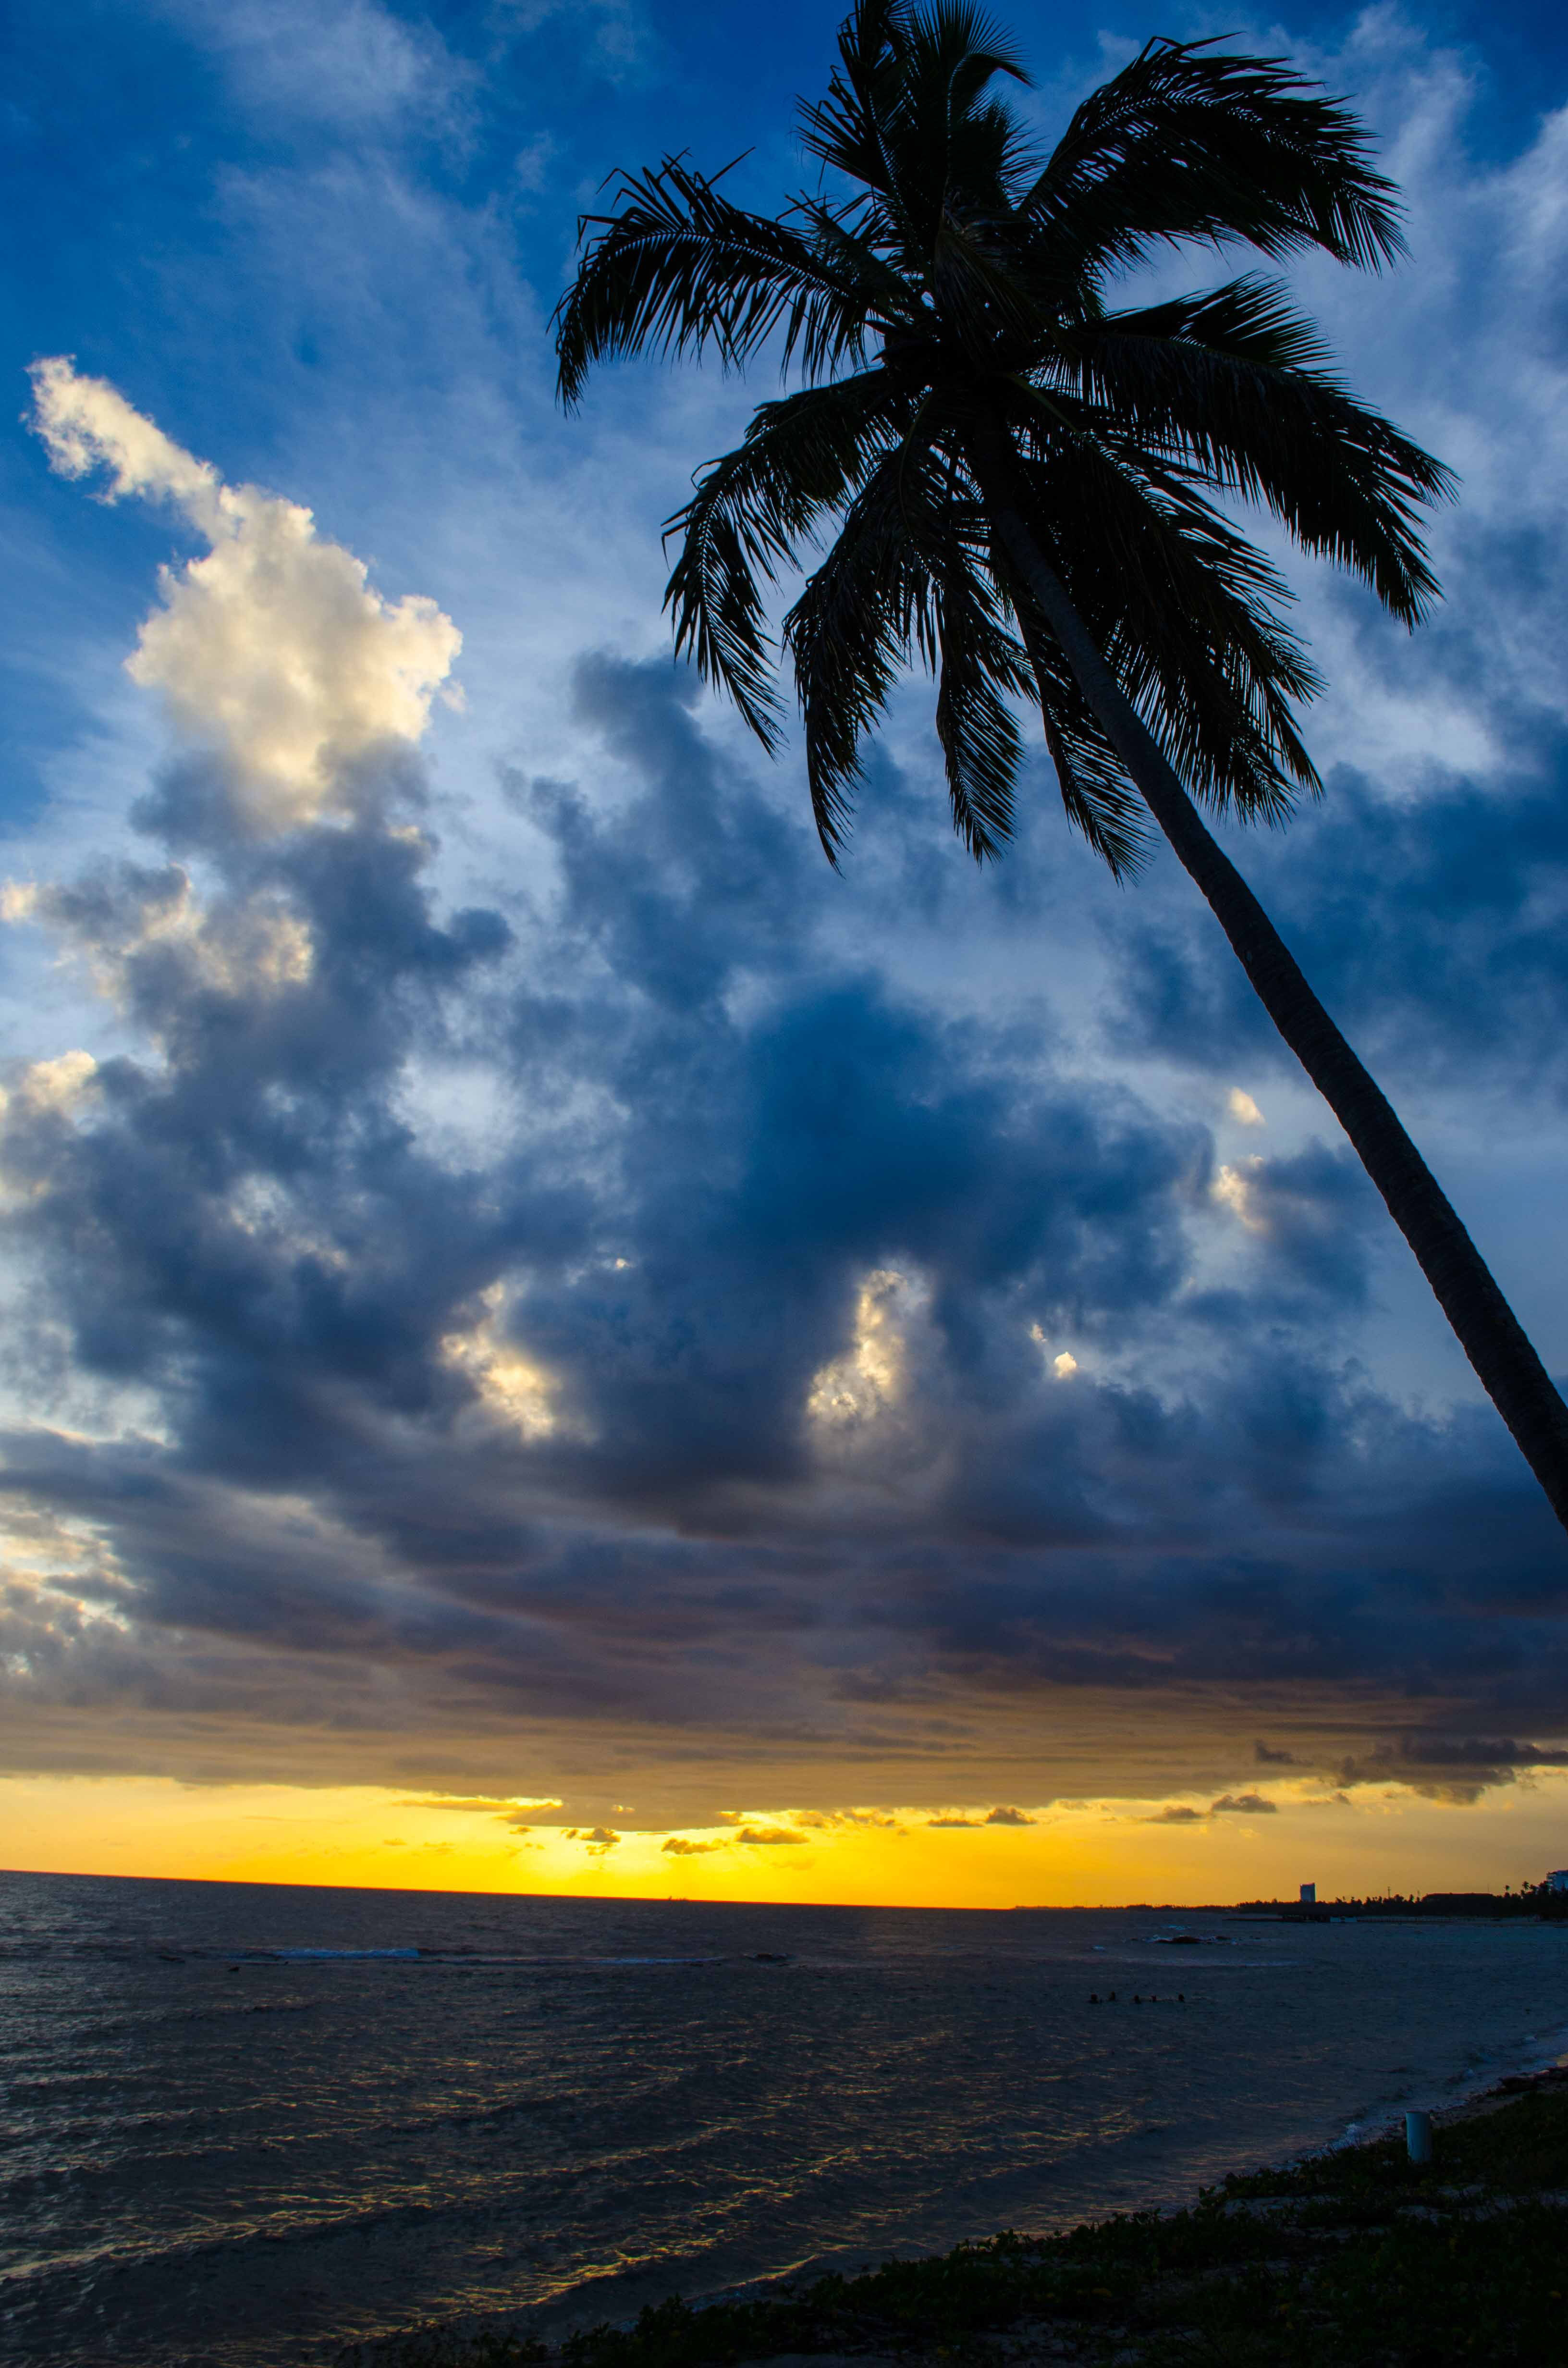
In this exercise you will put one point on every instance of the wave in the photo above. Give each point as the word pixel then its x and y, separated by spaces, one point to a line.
pixel 250 1954
pixel 308 1956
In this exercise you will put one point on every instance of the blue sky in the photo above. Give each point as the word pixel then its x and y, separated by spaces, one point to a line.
pixel 517 1270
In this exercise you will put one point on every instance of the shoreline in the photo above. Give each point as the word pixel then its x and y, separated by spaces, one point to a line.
pixel 1015 2300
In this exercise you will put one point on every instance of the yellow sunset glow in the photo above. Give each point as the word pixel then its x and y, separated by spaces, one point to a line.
pixel 1077 1854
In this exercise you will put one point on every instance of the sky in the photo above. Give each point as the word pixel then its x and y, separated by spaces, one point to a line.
pixel 554 1344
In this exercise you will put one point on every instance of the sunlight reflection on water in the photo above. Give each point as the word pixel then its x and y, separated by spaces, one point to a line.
pixel 216 2144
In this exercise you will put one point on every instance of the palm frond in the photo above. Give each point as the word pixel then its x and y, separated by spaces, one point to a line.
pixel 1192 142
pixel 978 279
pixel 1234 384
pixel 908 117
pixel 847 130
pixel 872 604
pixel 752 509
pixel 979 300
pixel 845 239
pixel 981 668
pixel 673 266
pixel 848 635
pixel 952 148
pixel 1249 319
pixel 1186 612
pixel 1098 795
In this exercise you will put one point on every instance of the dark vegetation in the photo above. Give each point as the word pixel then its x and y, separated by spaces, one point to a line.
pixel 1537 1900
pixel 1347 2259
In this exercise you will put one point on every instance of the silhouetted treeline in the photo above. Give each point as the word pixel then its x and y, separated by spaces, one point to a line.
pixel 1536 1899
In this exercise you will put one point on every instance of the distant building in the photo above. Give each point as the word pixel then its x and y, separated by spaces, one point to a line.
pixel 1558 1879
pixel 1309 1891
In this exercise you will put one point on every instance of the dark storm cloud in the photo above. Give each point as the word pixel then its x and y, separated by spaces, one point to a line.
pixel 284 1014
pixel 1434 929
pixel 1448 1768
pixel 763 1162
pixel 1316 1209
pixel 724 1394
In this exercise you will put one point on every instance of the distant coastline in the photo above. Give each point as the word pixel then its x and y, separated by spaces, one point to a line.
pixel 1538 1902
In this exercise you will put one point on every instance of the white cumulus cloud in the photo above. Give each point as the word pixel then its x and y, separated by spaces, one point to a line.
pixel 272 650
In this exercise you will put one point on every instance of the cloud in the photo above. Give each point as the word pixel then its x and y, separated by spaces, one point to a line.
pixel 59 1086
pixel 1313 1209
pixel 619 1323
pixel 1444 962
pixel 1229 1804
pixel 1267 1758
pixel 345 63
pixel 676 1846
pixel 279 1258
pixel 87 424
pixel 1459 1769
pixel 769 1836
pixel 1007 1817
pixel 272 651
pixel 622 37
pixel 485 1803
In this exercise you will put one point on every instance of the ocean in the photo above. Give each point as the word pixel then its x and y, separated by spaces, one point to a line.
pixel 218 2147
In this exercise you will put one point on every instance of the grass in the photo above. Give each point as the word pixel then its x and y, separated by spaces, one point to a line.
pixel 1348 2259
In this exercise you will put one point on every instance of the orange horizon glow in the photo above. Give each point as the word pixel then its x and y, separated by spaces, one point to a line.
pixel 1083 1854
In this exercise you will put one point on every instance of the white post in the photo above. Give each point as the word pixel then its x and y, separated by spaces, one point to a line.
pixel 1419 2136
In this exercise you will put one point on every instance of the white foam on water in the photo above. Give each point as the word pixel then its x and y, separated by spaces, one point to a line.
pixel 309 1956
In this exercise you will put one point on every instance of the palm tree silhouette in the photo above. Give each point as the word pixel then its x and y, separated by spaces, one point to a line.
pixel 1020 480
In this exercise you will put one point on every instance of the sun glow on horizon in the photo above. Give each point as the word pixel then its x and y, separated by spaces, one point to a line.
pixel 1252 1844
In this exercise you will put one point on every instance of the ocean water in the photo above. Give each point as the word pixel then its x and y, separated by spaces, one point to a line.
pixel 218 2147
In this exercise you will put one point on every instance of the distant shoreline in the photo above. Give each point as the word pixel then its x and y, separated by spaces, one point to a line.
pixel 1540 1903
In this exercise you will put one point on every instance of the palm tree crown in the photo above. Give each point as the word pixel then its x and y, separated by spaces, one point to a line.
pixel 1025 488
pixel 955 286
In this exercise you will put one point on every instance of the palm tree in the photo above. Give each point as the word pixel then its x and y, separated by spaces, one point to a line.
pixel 1021 480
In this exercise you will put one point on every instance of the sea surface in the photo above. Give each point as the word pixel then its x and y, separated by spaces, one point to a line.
pixel 217 2146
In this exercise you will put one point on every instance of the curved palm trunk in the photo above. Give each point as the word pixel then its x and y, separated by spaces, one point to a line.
pixel 1488 1331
